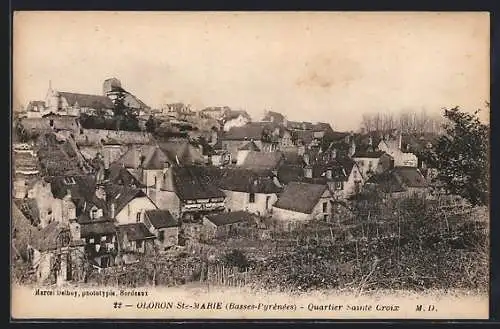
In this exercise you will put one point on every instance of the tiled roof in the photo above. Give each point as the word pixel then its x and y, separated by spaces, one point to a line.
pixel 232 217
pixel 121 176
pixel 192 182
pixel 160 218
pixel 96 227
pixel 399 179
pixel 250 146
pixel 134 232
pixel 183 150
pixel 262 160
pixel 290 173
pixel 121 195
pixel 411 176
pixel 243 180
pixel 300 197
pixel 86 100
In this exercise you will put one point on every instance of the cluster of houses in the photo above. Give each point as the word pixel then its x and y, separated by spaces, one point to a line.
pixel 132 193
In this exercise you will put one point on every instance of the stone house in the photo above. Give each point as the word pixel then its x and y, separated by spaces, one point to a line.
pixel 226 224
pixel 251 191
pixel 302 202
pixel 163 225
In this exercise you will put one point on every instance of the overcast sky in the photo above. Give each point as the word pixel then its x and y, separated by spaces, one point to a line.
pixel 310 66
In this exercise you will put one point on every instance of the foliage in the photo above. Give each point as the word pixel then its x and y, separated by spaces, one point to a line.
pixel 236 258
pixel 123 118
pixel 461 156
pixel 151 124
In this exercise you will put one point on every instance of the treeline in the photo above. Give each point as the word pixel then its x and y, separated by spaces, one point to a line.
pixel 405 121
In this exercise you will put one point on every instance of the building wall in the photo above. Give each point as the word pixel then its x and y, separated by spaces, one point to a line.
pixel 241 156
pixel 169 201
pixel 232 146
pixel 149 177
pixel 350 184
pixel 126 137
pixel 236 201
pixel 129 213
pixel 289 219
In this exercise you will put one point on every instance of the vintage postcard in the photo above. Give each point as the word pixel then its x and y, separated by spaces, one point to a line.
pixel 250 165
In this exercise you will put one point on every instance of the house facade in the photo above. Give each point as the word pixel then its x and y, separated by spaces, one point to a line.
pixel 302 202
pixel 163 225
pixel 74 104
pixel 225 224
pixel 250 191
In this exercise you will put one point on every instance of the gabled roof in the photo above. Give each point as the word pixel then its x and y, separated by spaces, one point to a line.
pixel 411 176
pixel 232 217
pixel 89 228
pixel 248 181
pixel 182 150
pixel 121 176
pixel 262 160
pixel 86 100
pixel 193 182
pixel 398 179
pixel 300 197
pixel 121 195
pixel 250 146
pixel 161 218
pixel 290 173
pixel 134 232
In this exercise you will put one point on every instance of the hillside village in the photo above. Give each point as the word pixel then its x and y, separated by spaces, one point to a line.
pixel 186 178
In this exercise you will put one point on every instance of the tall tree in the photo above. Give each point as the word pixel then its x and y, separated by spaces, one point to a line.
pixel 461 156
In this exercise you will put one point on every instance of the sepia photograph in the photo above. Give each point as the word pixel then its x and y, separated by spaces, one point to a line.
pixel 250 165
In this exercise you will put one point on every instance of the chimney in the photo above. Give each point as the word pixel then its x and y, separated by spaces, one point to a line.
pixel 329 174
pixel 112 210
pixel 308 172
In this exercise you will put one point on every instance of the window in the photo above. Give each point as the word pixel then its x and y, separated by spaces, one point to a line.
pixel 325 205
pixel 93 213
pixel 325 217
pixel 251 198
pixel 161 236
pixel 139 244
pixel 138 217
pixel 370 164
pixel 339 185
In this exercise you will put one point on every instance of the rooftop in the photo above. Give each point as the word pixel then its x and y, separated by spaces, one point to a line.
pixel 300 197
